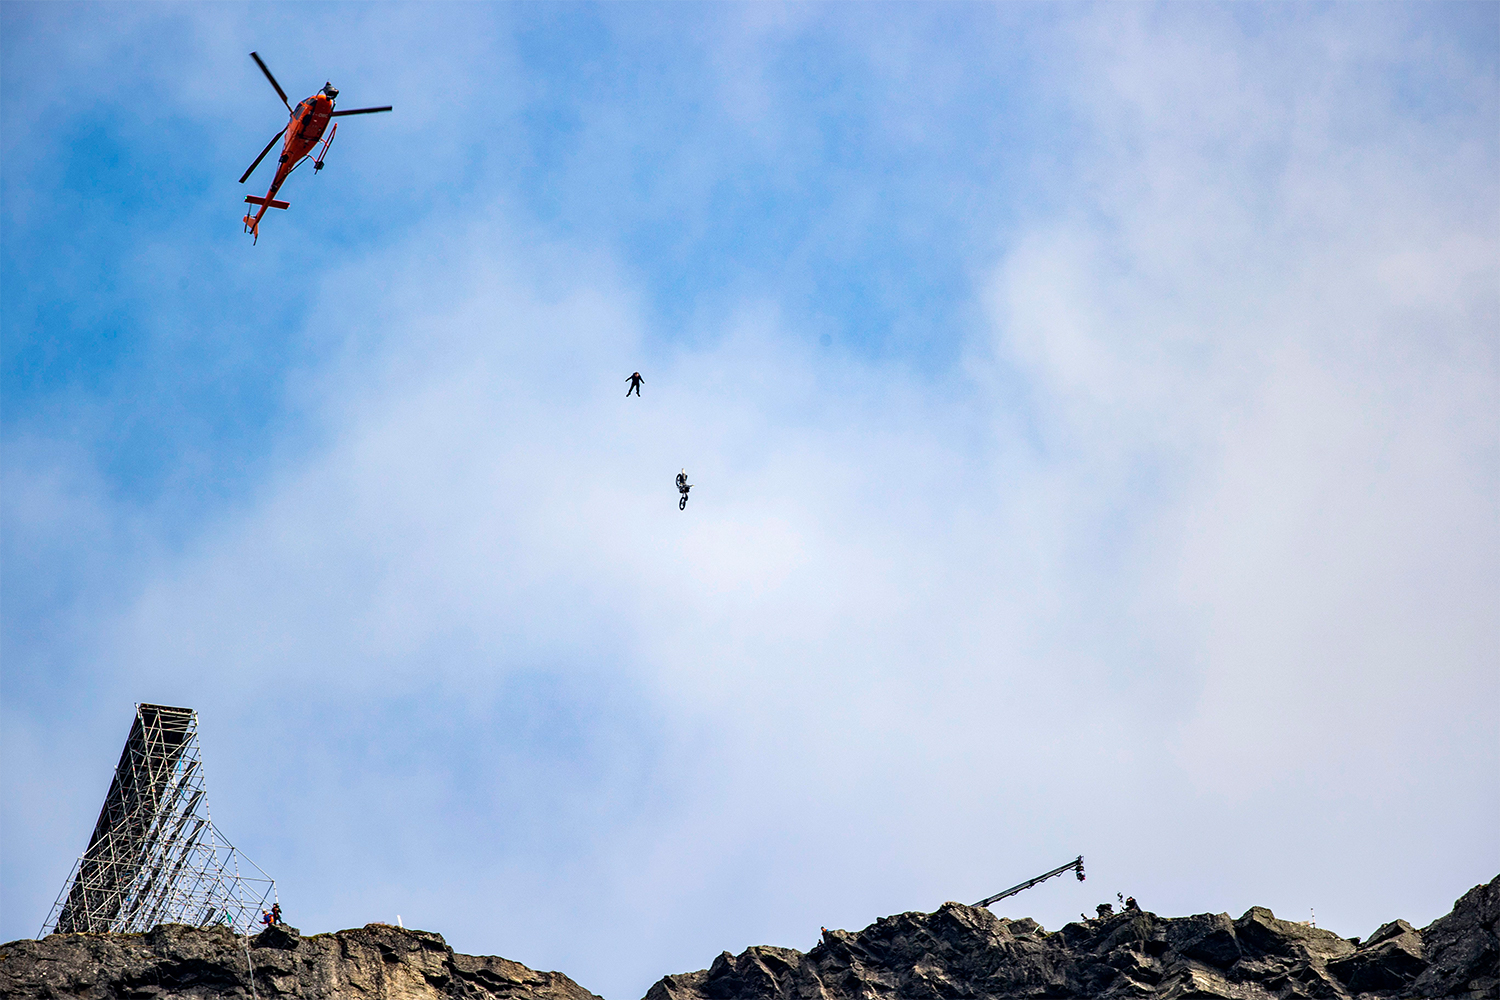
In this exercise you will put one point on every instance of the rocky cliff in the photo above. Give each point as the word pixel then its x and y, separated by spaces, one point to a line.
pixel 957 952
pixel 378 962
pixel 961 952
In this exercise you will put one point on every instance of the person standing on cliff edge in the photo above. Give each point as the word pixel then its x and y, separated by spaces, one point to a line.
pixel 635 381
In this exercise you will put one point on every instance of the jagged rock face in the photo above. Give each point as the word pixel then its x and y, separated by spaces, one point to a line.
pixel 961 951
pixel 957 952
pixel 377 961
pixel 1463 948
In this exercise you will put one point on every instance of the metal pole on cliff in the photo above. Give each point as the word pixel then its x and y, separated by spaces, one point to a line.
pixel 1074 865
pixel 246 943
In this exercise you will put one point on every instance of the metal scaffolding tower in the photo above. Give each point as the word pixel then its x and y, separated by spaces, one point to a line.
pixel 155 856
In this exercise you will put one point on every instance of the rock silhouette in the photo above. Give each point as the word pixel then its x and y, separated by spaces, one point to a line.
pixel 957 952
pixel 378 961
pixel 964 952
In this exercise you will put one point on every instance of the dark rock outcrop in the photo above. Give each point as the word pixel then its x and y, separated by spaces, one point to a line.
pixel 378 961
pixel 964 952
pixel 1463 948
pixel 1391 959
pixel 957 952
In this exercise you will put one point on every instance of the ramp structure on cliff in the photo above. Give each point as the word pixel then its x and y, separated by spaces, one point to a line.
pixel 155 856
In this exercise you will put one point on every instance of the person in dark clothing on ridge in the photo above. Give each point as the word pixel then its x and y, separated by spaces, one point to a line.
pixel 635 381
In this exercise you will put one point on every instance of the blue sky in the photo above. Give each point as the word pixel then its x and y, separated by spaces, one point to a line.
pixel 1092 411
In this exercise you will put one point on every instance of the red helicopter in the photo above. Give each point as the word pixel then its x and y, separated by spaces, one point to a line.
pixel 303 133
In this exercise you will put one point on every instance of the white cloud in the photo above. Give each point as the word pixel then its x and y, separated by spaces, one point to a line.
pixel 1200 544
pixel 1269 327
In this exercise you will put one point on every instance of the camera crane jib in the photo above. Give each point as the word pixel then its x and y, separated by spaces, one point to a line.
pixel 1074 865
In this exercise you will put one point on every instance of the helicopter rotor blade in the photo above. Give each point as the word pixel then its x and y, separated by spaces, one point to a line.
pixel 263 153
pixel 279 92
pixel 360 111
